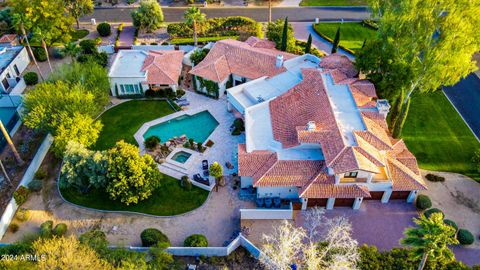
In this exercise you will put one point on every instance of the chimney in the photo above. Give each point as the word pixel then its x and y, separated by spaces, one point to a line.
pixel 383 107
pixel 279 62
pixel 311 126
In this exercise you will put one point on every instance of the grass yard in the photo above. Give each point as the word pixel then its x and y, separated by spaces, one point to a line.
pixel 168 200
pixel 79 34
pixel 333 3
pixel 438 137
pixel 352 34
pixel 123 120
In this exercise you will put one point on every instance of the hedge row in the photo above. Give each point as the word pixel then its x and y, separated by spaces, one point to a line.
pixel 221 26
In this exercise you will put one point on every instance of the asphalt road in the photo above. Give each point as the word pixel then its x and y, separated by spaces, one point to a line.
pixel 295 14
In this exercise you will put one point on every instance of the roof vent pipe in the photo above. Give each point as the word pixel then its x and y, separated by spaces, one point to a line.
pixel 311 126
pixel 279 62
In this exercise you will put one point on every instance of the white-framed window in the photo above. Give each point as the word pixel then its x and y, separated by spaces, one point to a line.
pixel 351 175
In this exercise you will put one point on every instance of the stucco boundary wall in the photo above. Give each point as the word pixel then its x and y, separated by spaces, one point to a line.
pixel 264 213
pixel 37 160
pixel 240 240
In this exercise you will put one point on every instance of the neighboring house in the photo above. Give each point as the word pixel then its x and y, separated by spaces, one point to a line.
pixel 316 134
pixel 9 39
pixel 13 61
pixel 231 62
pixel 135 71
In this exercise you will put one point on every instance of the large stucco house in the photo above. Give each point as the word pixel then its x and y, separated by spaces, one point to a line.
pixel 135 71
pixel 13 62
pixel 315 133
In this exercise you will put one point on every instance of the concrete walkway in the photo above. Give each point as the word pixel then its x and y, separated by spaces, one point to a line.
pixel 303 29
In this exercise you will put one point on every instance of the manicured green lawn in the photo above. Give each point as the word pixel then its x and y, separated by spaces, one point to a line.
pixel 170 199
pixel 333 3
pixel 352 34
pixel 79 34
pixel 122 121
pixel 438 137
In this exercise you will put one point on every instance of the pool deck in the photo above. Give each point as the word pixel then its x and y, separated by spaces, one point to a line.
pixel 225 145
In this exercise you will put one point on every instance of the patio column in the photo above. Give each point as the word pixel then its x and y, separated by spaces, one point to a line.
pixel 386 195
pixel 304 203
pixel 357 203
pixel 411 197
pixel 330 203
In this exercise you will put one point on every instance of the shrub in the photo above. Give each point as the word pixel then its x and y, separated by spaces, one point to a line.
pixel 196 240
pixel 451 223
pixel 58 53
pixel 21 195
pixel 150 93
pixel 35 185
pixel 151 142
pixel 423 202
pixel 13 227
pixel 31 78
pixel 186 183
pixel 88 46
pixel 236 132
pixel 434 178
pixel 200 147
pixel 46 229
pixel 465 237
pixel 60 229
pixel 95 239
pixel 22 214
pixel 104 29
pixel 239 124
pixel 430 211
pixel 151 237
pixel 40 175
pixel 40 54
pixel 180 92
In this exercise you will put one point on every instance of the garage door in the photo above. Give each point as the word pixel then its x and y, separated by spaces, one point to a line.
pixel 399 195
pixel 317 202
pixel 375 195
pixel 344 202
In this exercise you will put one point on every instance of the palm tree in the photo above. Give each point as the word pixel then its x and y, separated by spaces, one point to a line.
pixel 71 49
pixel 19 22
pixel 42 35
pixel 194 17
pixel 430 240
pixel 10 143
pixel 269 11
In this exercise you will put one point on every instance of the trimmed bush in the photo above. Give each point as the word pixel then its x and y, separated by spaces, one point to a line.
pixel 451 223
pixel 40 175
pixel 31 78
pixel 430 211
pixel 423 202
pixel 236 132
pixel 104 29
pixel 58 53
pixel 151 237
pixel 434 178
pixel 21 195
pixel 151 142
pixel 180 92
pixel 60 229
pixel 35 185
pixel 40 54
pixel 22 214
pixel 465 237
pixel 13 227
pixel 239 124
pixel 95 239
pixel 196 240
pixel 46 229
pixel 186 183
pixel 88 46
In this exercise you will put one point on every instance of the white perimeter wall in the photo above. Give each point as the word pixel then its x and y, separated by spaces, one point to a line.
pixel 282 192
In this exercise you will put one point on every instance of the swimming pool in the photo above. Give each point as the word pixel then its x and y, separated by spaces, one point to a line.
pixel 181 156
pixel 197 127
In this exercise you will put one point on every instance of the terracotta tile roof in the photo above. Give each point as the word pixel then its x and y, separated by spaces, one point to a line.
pixel 365 87
pixel 291 173
pixel 260 43
pixel 339 62
pixel 373 152
pixel 376 117
pixel 240 58
pixel 403 178
pixel 255 162
pixel 401 153
pixel 318 190
pixel 163 67
pixel 8 38
pixel 352 159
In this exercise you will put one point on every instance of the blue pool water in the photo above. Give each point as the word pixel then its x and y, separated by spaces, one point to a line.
pixel 181 156
pixel 197 127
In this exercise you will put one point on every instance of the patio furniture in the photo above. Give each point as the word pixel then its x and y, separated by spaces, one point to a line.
pixel 205 164
pixel 201 180
pixel 228 165
pixel 206 173
pixel 268 202
pixel 277 202
pixel 259 202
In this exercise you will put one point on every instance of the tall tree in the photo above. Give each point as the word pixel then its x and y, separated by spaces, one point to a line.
pixel 148 17
pixel 430 240
pixel 284 35
pixel 308 47
pixel 336 41
pixel 79 8
pixel 194 16
pixel 10 144
pixel 429 44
